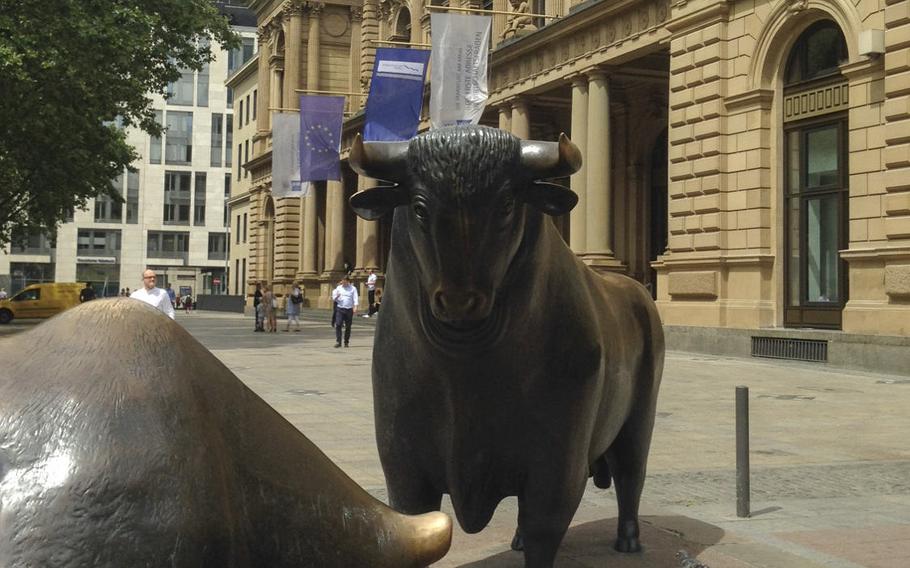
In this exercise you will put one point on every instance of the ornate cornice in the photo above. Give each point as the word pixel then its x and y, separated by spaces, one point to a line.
pixel 315 9
pixel 356 14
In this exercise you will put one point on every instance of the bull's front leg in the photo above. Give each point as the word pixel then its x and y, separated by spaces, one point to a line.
pixel 545 510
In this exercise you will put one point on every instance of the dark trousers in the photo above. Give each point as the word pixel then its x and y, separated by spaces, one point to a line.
pixel 343 316
pixel 371 301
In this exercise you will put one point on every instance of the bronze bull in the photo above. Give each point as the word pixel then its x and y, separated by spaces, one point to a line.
pixel 124 442
pixel 503 365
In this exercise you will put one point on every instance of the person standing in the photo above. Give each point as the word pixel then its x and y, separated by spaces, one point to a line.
pixel 154 296
pixel 371 293
pixel 295 300
pixel 345 298
pixel 258 310
pixel 86 294
pixel 170 294
pixel 269 305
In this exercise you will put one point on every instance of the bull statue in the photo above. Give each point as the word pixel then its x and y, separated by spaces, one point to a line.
pixel 502 364
pixel 124 442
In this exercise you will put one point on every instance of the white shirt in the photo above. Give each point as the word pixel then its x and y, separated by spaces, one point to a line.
pixel 345 296
pixel 371 282
pixel 157 298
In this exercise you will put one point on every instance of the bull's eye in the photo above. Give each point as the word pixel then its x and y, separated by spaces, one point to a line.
pixel 420 211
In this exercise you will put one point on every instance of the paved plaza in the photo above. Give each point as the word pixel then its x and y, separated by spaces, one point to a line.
pixel 830 453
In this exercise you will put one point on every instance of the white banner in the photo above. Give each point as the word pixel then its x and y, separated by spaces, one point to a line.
pixel 458 68
pixel 286 155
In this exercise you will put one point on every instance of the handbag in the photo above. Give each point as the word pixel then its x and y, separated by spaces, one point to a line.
pixel 274 302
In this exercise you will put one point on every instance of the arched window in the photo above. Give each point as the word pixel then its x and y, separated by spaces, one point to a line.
pixel 818 53
pixel 816 178
pixel 402 26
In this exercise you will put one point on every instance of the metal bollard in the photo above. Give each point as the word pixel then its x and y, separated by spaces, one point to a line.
pixel 742 452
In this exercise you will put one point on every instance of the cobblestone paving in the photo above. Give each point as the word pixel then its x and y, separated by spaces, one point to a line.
pixel 802 482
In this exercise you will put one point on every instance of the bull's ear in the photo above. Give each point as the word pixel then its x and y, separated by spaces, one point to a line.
pixel 373 203
pixel 549 198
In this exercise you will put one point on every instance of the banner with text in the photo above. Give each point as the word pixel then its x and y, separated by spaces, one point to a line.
pixel 396 94
pixel 286 155
pixel 458 75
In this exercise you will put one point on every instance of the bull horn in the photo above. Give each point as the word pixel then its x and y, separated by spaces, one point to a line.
pixel 547 160
pixel 381 160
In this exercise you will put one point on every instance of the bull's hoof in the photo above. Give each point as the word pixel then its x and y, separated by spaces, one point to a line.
pixel 630 544
pixel 518 543
pixel 627 537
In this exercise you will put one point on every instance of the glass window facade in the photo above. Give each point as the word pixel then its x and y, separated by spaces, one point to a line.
pixel 177 198
pixel 178 148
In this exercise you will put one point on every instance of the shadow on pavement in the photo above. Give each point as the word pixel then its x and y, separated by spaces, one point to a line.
pixel 591 545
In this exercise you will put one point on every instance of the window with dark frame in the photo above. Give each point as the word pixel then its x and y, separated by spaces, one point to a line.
pixel 816 187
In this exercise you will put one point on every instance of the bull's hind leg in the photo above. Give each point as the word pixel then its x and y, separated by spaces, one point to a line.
pixel 627 458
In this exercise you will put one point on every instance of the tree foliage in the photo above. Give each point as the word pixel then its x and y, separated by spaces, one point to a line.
pixel 68 69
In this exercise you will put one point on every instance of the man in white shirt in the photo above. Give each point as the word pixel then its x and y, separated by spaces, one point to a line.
pixel 371 293
pixel 345 299
pixel 152 295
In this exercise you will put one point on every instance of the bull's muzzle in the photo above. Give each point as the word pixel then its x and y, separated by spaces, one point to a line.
pixel 460 306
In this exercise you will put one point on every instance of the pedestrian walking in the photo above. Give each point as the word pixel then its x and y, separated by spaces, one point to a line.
pixel 86 294
pixel 187 304
pixel 371 293
pixel 295 300
pixel 345 298
pixel 152 295
pixel 269 307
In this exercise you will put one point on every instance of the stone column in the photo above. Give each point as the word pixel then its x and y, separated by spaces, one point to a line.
pixel 312 46
pixel 334 249
pixel 578 217
pixel 308 236
pixel 521 120
pixel 368 236
pixel 416 16
pixel 505 117
pixel 599 227
pixel 369 32
pixel 292 41
pixel 263 116
pixel 356 102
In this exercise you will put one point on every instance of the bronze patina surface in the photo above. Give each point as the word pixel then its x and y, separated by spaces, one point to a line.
pixel 502 365
pixel 124 442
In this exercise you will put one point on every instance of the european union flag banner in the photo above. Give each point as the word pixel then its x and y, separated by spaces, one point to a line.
pixel 396 94
pixel 320 137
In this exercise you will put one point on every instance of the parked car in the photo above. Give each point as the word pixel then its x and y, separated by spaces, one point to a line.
pixel 40 301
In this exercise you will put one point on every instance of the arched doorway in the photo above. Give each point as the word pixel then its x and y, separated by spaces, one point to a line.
pixel 816 180
pixel 657 210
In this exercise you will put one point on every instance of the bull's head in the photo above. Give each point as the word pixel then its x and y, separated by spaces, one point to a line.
pixel 466 190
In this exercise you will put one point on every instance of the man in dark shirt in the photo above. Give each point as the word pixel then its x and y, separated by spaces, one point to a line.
pixel 87 293
pixel 257 299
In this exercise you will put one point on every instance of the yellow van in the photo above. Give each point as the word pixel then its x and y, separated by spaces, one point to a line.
pixel 40 301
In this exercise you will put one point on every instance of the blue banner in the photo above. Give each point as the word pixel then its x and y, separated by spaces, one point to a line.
pixel 320 137
pixel 396 94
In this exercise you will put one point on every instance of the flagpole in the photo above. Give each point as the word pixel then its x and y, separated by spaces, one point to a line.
pixel 485 11
pixel 405 43
pixel 343 93
pixel 282 109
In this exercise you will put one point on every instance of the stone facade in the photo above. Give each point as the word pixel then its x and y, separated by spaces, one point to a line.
pixel 688 121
